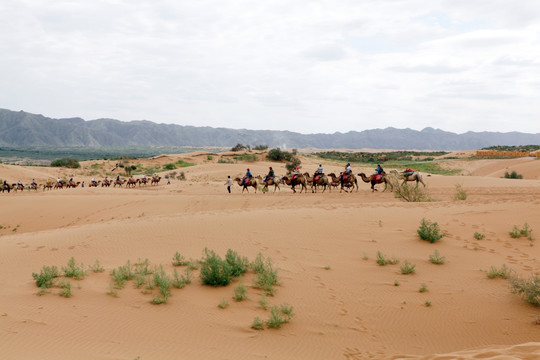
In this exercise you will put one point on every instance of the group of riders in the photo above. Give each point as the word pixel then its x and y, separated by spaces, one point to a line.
pixel 343 176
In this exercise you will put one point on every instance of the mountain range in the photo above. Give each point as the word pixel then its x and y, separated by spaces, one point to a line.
pixel 22 129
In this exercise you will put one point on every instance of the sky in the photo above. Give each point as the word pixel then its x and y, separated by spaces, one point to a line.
pixel 317 66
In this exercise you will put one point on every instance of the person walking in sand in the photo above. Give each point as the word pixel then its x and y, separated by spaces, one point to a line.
pixel 229 183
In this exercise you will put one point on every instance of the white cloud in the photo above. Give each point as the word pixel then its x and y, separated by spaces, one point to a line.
pixel 307 66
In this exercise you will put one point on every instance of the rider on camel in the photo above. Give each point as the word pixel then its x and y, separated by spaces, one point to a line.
pixel 34 184
pixel 379 169
pixel 296 173
pixel 318 173
pixel 248 176
pixel 270 175
pixel 346 174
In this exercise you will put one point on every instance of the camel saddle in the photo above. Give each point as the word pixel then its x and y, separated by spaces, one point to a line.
pixel 378 178
pixel 345 177
pixel 317 177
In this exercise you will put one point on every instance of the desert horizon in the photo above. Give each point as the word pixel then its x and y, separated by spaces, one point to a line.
pixel 324 246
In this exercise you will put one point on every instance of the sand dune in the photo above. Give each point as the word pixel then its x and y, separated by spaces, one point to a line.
pixel 325 245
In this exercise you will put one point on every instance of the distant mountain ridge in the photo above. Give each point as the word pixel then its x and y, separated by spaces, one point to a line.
pixel 21 129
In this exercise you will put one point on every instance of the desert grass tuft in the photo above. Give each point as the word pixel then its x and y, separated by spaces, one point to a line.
pixel 179 260
pixel 266 277
pixel 97 268
pixel 382 260
pixel 423 288
pixel 240 293
pixel 411 193
pixel 263 301
pixel 122 274
pixel 478 236
pixel 407 268
pixel 504 272
pixel 180 281
pixel 525 231
pixel 223 304
pixel 65 290
pixel 279 315
pixel 436 258
pixel 239 264
pixel 258 324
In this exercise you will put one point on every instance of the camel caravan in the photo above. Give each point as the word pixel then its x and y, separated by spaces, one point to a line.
pixel 63 184
pixel 346 181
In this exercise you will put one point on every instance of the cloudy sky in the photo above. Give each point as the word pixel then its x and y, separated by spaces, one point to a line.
pixel 316 66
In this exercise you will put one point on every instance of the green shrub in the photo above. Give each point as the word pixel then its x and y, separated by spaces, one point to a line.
pixel 427 303
pixel 279 155
pixel 180 281
pixel 407 268
pixel 122 274
pixel 209 158
pixel 66 162
pixel 223 160
pixel 239 265
pixel 182 163
pixel 436 258
pixel 240 147
pixel 529 289
pixel 279 315
pixel 260 147
pixel 382 260
pixel 257 324
pixel 478 236
pixel 525 231
pixel 45 278
pixel 169 166
pixel 73 270
pixel 266 277
pixel 513 175
pixel 97 267
pixel 240 293
pixel 396 283
pixel 423 288
pixel 163 282
pixel 263 301
pixel 247 157
pixel 429 231
pixel 214 270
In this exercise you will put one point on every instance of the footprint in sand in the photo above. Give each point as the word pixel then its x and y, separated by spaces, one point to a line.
pixel 40 247
pixel 511 259
pixel 527 268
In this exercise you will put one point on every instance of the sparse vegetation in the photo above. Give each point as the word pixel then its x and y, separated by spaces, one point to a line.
pixel 266 276
pixel 525 231
pixel 239 264
pixel 45 278
pixel 97 268
pixel 423 288
pixel 411 193
pixel 74 270
pixel 66 162
pixel 478 236
pixel 382 260
pixel 436 258
pixel 504 272
pixel 430 231
pixel 247 157
pixel 214 270
pixel 179 260
pixel 427 303
pixel 396 283
pixel 460 194
pixel 529 289
pixel 223 304
pixel 240 293
pixel 279 315
pixel 407 268
pixel 263 301
pixel 258 324
pixel 65 290
pixel 512 175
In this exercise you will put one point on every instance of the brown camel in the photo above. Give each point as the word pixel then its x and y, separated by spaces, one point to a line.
pixel 47 186
pixel 73 184
pixel 132 182
pixel 16 187
pixel 59 185
pixel 94 183
pixel 6 187
pixel 299 180
pixel 34 187
pixel 143 181
pixel 248 182
pixel 155 180
pixel 414 176
pixel 349 182
pixel 118 182
pixel 321 181
pixel 375 179
pixel 268 182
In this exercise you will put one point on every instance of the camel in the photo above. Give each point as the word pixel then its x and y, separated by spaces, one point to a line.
pixel 47 186
pixel 300 180
pixel 374 180
pixel 414 176
pixel 248 182
pixel 155 180
pixel 268 182
pixel 16 187
pixel 321 181
pixel 143 181
pixel 6 187
pixel 105 183
pixel 119 182
pixel 33 186
pixel 59 185
pixel 132 182
pixel 73 184
pixel 94 183
pixel 349 182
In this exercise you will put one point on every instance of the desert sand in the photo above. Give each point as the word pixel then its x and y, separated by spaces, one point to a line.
pixel 325 245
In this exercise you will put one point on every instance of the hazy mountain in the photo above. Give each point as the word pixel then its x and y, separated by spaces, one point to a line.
pixel 20 129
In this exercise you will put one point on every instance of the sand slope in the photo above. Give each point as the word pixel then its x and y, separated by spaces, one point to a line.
pixel 325 246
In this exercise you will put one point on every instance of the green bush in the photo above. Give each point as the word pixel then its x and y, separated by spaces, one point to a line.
pixel 478 236
pixel 260 147
pixel 66 162
pixel 429 231
pixel 504 272
pixel 45 278
pixel 266 277
pixel 240 293
pixel 460 194
pixel 382 260
pixel 66 288
pixel 214 270
pixel 513 175
pixel 179 260
pixel 73 270
pixel 239 264
pixel 529 289
pixel 257 324
pixel 407 268
pixel 169 166
pixel 410 193
pixel 279 155
pixel 525 231
pixel 279 315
